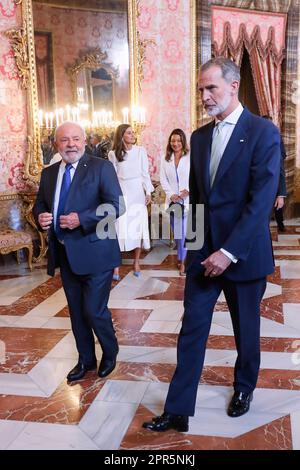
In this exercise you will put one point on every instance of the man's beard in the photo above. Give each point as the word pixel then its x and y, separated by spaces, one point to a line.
pixel 217 109
pixel 71 157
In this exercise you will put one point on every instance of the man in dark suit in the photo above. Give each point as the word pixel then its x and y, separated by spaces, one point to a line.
pixel 75 197
pixel 282 192
pixel 234 173
pixel 96 145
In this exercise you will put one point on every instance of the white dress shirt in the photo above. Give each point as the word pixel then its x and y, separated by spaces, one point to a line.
pixel 229 124
pixel 58 185
pixel 226 132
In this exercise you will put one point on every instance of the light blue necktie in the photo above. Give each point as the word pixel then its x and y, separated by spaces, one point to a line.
pixel 65 186
pixel 216 151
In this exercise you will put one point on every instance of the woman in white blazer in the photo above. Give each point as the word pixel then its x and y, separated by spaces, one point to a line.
pixel 174 179
pixel 132 167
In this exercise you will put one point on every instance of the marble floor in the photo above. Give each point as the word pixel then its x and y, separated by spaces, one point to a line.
pixel 39 410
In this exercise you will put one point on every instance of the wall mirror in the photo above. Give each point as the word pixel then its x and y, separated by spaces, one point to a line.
pixel 82 55
pixel 70 53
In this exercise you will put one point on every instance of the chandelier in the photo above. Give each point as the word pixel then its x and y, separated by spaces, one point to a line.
pixel 102 121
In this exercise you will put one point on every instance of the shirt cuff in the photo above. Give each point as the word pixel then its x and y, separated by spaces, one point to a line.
pixel 229 255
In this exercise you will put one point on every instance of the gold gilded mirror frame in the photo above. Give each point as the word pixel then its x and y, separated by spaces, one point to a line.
pixel 23 47
pixel 92 61
pixel 22 42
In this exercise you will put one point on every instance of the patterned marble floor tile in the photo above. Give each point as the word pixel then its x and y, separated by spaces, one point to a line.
pixel 26 347
pixel 274 435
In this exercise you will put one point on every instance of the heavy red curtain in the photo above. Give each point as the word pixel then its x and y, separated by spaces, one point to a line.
pixel 262 34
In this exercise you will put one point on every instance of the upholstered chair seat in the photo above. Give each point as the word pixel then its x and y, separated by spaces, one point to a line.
pixel 12 240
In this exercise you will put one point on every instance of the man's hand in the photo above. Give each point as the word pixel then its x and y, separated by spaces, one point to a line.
pixel 45 220
pixel 69 221
pixel 184 193
pixel 216 264
pixel 147 199
pixel 279 202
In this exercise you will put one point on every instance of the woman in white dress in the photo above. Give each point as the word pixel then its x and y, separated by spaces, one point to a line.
pixel 131 164
pixel 174 179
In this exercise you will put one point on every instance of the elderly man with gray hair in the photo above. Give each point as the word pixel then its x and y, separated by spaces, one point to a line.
pixel 73 197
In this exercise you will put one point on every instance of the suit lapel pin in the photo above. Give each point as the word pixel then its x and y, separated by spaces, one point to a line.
pixel 242 140
pixel 84 164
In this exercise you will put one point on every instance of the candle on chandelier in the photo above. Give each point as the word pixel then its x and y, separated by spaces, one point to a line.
pixel 68 110
pixel 61 114
pixel 40 118
pixel 57 117
pixel 125 113
pixel 73 114
pixel 51 116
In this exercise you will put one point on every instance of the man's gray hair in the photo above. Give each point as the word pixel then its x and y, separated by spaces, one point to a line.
pixel 230 71
pixel 69 122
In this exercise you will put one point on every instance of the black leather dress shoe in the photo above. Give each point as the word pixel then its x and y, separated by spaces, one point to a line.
pixel 106 366
pixel 167 421
pixel 79 371
pixel 240 404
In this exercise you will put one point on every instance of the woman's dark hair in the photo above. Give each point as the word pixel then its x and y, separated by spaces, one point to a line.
pixel 118 145
pixel 182 136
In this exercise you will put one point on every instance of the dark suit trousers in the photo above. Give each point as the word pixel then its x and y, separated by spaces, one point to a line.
pixel 278 213
pixel 201 294
pixel 87 298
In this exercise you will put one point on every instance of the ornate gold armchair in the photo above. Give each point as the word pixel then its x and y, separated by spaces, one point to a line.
pixel 12 240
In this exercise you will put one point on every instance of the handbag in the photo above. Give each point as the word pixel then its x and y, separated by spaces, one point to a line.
pixel 176 209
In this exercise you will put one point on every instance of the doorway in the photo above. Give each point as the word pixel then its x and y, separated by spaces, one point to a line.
pixel 247 94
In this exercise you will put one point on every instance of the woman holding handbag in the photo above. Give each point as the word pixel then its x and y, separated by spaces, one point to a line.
pixel 174 179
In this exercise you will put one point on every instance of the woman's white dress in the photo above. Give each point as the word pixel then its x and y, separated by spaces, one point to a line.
pixel 134 178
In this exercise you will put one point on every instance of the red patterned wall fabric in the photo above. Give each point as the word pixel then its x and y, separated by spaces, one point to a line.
pixel 13 129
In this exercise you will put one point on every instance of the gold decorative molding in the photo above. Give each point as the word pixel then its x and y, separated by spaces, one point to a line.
pixel 133 50
pixel 29 200
pixel 9 197
pixel 94 59
pixel 18 39
pixel 142 48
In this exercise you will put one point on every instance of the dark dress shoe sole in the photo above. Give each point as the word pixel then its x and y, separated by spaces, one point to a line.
pixel 233 414
pixel 159 425
pixel 155 428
